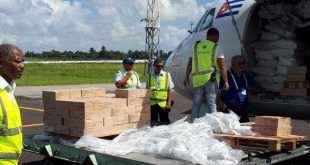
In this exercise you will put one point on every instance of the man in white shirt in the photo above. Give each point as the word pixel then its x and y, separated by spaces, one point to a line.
pixel 11 68
pixel 127 78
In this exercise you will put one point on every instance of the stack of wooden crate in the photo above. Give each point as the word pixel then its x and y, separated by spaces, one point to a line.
pixel 273 126
pixel 92 112
pixel 297 83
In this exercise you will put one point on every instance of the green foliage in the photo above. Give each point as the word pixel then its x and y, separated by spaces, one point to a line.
pixel 70 74
pixel 92 54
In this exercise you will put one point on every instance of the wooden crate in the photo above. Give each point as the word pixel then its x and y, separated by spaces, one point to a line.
pixel 268 143
pixel 295 92
pixel 296 84
pixel 283 131
pixel 297 70
pixel 272 121
pixel 298 77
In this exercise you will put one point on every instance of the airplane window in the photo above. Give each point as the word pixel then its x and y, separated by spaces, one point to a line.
pixel 199 23
pixel 208 20
pixel 175 58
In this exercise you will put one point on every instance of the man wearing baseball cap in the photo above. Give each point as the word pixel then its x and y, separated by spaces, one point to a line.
pixel 127 78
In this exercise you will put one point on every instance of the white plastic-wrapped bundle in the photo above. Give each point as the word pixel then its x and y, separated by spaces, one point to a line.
pixel 264 45
pixel 264 55
pixel 302 9
pixel 265 13
pixel 285 44
pixel 182 140
pixel 273 87
pixel 267 63
pixel 279 79
pixel 281 70
pixel 287 62
pixel 280 30
pixel 278 52
pixel 224 123
pixel 264 71
pixel 270 36
pixel 264 79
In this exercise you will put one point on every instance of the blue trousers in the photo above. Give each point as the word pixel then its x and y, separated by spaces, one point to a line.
pixel 207 92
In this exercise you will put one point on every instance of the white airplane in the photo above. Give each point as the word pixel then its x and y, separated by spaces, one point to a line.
pixel 239 26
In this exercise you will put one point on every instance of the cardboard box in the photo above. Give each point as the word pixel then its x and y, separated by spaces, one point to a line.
pixel 50 120
pixel 92 112
pixel 273 131
pixel 297 70
pixel 102 131
pixel 139 117
pixel 119 111
pixel 93 92
pixel 133 93
pixel 116 120
pixel 295 92
pixel 62 94
pixel 272 121
pixel 115 102
pixel 65 130
pixel 143 109
pixel 138 101
pixel 298 77
pixel 296 84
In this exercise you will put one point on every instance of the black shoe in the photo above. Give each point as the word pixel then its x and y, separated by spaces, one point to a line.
pixel 154 123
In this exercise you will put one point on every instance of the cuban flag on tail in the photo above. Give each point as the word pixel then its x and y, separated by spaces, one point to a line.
pixel 235 5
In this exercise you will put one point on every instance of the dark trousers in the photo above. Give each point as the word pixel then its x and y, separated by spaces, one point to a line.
pixel 242 111
pixel 159 115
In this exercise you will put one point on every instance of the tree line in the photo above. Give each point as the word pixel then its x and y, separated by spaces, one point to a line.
pixel 92 54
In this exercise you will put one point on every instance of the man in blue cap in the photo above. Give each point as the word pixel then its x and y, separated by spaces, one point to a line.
pixel 127 78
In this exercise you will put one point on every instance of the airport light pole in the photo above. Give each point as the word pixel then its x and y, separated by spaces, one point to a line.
pixel 152 24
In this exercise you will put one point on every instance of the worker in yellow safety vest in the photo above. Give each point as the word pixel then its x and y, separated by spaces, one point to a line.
pixel 11 140
pixel 161 100
pixel 206 62
pixel 127 78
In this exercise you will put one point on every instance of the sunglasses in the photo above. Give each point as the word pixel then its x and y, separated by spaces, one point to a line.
pixel 240 63
pixel 159 66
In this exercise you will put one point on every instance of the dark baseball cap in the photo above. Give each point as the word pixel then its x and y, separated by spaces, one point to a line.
pixel 128 60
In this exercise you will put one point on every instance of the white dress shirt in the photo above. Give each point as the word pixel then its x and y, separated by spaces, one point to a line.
pixel 157 78
pixel 10 88
pixel 134 78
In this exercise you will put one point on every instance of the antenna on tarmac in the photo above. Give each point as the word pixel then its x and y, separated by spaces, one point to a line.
pixel 152 24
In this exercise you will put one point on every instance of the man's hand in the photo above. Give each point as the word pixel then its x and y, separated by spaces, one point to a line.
pixel 168 106
pixel 129 73
pixel 226 86
pixel 186 81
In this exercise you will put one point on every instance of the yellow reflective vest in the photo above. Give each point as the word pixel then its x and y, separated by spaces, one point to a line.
pixel 204 62
pixel 10 130
pixel 159 89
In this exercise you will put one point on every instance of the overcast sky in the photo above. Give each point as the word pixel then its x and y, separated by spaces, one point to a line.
pixel 36 25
